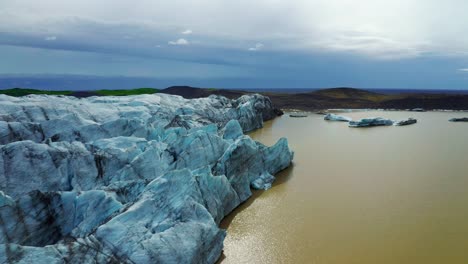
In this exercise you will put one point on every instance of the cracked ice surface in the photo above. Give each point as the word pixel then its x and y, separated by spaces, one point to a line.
pixel 135 179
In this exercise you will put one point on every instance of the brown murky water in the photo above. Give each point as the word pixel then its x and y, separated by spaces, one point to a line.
pixel 360 195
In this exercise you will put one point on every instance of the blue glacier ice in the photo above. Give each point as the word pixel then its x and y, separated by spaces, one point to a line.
pixel 133 179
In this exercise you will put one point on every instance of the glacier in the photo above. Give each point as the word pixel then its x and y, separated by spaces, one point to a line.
pixel 132 179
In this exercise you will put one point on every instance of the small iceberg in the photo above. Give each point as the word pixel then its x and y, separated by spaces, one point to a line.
pixel 459 119
pixel 297 115
pixel 406 122
pixel 369 122
pixel 418 110
pixel 333 117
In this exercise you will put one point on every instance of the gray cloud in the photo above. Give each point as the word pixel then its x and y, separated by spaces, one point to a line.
pixel 380 29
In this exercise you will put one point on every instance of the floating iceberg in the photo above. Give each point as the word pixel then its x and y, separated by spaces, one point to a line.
pixel 298 115
pixel 333 117
pixel 369 122
pixel 135 179
pixel 460 119
pixel 406 122
pixel 418 110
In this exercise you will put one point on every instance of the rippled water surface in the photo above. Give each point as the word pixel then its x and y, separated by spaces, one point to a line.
pixel 360 195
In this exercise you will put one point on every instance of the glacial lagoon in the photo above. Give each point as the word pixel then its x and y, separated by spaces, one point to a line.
pixel 359 195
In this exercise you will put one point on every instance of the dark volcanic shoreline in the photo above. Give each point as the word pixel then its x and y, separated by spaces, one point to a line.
pixel 333 98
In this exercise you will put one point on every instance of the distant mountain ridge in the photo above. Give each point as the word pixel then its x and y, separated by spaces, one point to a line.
pixel 25 91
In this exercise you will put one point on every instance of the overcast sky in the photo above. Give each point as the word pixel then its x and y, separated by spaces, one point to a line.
pixel 266 43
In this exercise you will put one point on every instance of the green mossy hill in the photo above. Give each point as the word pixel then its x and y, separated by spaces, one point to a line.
pixel 126 92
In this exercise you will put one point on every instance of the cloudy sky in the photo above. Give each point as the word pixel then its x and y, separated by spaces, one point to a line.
pixel 262 43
